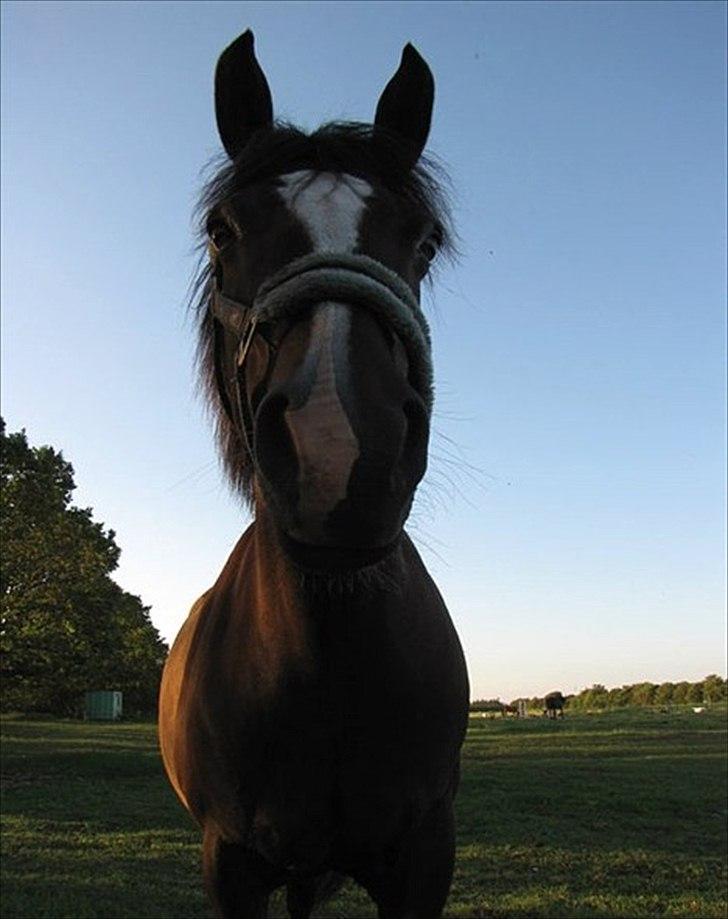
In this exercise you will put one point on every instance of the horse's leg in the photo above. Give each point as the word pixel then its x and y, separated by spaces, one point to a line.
pixel 418 883
pixel 237 880
pixel 304 893
pixel 301 897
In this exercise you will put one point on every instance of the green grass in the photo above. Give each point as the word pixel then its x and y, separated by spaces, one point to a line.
pixel 615 815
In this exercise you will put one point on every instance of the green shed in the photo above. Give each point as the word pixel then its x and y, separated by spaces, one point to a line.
pixel 103 705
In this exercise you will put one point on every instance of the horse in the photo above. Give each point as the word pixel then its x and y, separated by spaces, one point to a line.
pixel 313 706
pixel 554 705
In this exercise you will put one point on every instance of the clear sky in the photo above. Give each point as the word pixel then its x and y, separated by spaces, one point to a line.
pixel 574 510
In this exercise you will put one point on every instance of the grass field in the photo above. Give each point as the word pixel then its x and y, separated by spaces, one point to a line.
pixel 615 815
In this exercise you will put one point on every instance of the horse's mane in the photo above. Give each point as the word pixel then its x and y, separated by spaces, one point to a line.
pixel 357 149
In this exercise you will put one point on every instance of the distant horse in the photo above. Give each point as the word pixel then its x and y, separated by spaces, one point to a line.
pixel 554 705
pixel 313 706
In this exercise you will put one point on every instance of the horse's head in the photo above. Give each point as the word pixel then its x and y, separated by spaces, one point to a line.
pixel 314 349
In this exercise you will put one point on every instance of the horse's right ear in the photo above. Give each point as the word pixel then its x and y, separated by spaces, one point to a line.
pixel 405 106
pixel 243 102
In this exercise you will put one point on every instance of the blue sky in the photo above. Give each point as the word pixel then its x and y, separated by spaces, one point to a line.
pixel 574 511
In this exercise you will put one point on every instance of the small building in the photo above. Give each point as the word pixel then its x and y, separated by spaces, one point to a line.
pixel 103 705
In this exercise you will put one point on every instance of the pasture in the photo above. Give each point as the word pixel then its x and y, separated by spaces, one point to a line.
pixel 621 814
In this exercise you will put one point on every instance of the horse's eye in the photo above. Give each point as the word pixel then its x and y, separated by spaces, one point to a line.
pixel 428 250
pixel 220 233
pixel 430 246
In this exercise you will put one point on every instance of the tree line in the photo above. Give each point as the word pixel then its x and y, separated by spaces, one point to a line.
pixel 711 689
pixel 66 627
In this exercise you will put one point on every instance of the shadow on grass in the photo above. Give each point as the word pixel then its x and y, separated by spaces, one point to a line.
pixel 591 817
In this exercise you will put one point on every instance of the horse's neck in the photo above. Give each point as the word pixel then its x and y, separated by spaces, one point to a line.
pixel 257 597
pixel 269 621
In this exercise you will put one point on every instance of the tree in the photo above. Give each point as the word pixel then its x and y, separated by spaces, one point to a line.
pixel 680 692
pixel 619 697
pixel 596 697
pixel 486 705
pixel 643 693
pixel 65 626
pixel 663 696
pixel 714 688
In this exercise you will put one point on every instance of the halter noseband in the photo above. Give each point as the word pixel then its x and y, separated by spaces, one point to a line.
pixel 357 280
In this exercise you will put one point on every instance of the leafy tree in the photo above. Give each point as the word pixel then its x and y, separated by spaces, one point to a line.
pixel 65 626
pixel 643 693
pixel 695 694
pixel 680 692
pixel 486 705
pixel 715 688
pixel 577 701
pixel 596 697
pixel 663 695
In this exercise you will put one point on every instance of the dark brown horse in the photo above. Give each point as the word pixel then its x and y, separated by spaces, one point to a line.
pixel 314 704
pixel 554 705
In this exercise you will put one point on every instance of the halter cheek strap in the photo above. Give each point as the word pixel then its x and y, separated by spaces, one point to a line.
pixel 242 323
pixel 329 276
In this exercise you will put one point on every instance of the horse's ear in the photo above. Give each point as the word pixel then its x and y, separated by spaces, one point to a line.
pixel 405 106
pixel 243 102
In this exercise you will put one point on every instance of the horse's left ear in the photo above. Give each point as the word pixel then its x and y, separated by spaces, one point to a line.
pixel 243 102
pixel 405 106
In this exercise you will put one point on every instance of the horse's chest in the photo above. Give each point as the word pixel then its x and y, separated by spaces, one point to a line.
pixel 356 750
pixel 333 782
pixel 348 749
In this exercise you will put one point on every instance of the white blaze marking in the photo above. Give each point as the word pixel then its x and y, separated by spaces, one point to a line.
pixel 326 445
pixel 330 207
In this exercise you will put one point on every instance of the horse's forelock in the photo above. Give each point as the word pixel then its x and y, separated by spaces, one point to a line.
pixel 358 149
